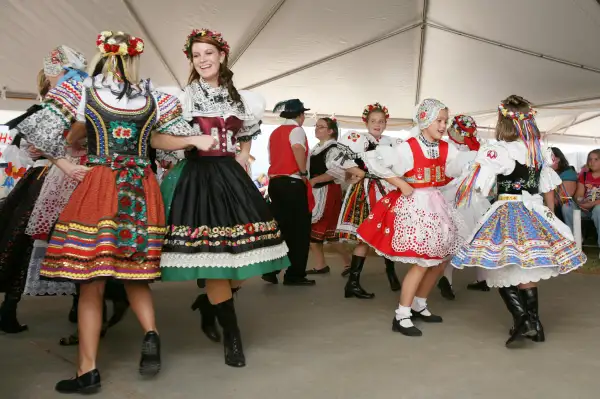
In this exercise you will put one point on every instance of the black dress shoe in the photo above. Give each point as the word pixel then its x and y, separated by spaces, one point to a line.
pixel 408 331
pixel 478 286
pixel 270 278
pixel 324 270
pixel 432 318
pixel 87 383
pixel 299 282
pixel 446 289
pixel 150 361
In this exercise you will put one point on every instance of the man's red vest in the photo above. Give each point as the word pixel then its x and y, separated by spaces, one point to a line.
pixel 281 155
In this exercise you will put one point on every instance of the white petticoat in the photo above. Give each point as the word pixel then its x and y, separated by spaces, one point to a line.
pixel 34 286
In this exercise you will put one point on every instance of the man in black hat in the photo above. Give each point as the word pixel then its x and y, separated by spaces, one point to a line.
pixel 288 190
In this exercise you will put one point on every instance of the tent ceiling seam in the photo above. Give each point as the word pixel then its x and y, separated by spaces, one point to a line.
pixel 421 53
pixel 256 32
pixel 133 13
pixel 513 48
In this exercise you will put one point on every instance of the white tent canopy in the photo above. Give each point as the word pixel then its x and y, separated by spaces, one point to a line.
pixel 338 55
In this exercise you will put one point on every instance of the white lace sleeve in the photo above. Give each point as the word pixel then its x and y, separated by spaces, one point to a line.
pixel 493 160
pixel 387 161
pixel 458 162
pixel 255 104
pixel 333 168
pixel 549 179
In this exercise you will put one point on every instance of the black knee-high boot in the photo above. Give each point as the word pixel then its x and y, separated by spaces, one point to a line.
pixel 116 293
pixel 390 270
pixel 353 288
pixel 530 296
pixel 8 315
pixel 232 340
pixel 515 305
pixel 208 317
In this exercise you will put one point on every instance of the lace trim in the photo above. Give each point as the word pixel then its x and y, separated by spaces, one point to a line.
pixel 109 81
pixel 205 100
pixel 514 275
pixel 204 259
pixel 432 149
pixel 36 287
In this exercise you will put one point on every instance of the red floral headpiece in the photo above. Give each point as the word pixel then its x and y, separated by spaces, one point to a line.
pixel 108 46
pixel 375 107
pixel 216 36
pixel 464 125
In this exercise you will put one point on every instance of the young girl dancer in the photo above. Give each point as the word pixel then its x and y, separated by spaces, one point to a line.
pixel 366 189
pixel 463 132
pixel 324 179
pixel 519 241
pixel 414 224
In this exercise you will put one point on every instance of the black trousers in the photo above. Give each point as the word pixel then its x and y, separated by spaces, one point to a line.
pixel 289 206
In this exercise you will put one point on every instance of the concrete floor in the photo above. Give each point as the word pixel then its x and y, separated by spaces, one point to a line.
pixel 310 342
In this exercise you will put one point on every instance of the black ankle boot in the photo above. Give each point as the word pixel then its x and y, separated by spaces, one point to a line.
pixel 150 361
pixel 530 296
pixel 353 288
pixel 446 288
pixel 390 270
pixel 8 317
pixel 522 326
pixel 232 340
pixel 74 309
pixel 208 317
pixel 86 383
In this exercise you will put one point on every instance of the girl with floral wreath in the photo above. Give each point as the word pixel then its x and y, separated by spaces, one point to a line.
pixel 113 225
pixel 414 224
pixel 365 190
pixel 463 133
pixel 219 228
pixel 519 241
pixel 16 245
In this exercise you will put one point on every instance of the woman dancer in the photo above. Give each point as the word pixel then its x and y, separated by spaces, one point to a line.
pixel 519 241
pixel 463 132
pixel 15 245
pixel 414 224
pixel 219 226
pixel 125 224
pixel 324 180
pixel 362 195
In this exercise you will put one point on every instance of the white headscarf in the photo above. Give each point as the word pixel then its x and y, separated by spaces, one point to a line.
pixel 63 57
pixel 425 114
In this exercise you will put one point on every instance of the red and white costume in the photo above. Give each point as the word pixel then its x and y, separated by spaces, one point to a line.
pixel 422 229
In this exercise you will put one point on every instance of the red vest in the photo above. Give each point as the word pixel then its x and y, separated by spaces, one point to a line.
pixel 281 155
pixel 427 172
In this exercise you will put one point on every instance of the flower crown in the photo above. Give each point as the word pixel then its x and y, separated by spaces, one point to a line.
pixel 216 36
pixel 516 115
pixel 108 45
pixel 375 107
pixel 465 125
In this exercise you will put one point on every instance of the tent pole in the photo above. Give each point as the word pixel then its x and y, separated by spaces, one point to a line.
pixel 513 48
pixel 421 52
pixel 565 128
pixel 334 56
pixel 257 31
pixel 149 39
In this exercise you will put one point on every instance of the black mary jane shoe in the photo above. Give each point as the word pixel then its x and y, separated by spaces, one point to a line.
pixel 86 384
pixel 478 286
pixel 408 331
pixel 325 270
pixel 432 318
pixel 446 289
pixel 150 362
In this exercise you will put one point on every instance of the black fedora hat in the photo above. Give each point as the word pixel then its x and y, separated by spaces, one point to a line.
pixel 290 108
